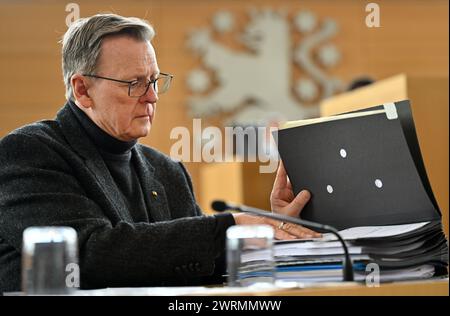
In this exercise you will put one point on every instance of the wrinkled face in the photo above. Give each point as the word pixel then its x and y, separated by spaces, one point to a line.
pixel 124 117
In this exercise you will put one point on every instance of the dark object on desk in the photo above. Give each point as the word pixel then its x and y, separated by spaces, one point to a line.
pixel 362 169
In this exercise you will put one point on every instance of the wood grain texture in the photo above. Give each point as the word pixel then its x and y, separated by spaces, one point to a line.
pixel 412 39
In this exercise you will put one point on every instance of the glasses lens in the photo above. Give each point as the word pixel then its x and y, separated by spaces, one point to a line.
pixel 138 88
pixel 163 84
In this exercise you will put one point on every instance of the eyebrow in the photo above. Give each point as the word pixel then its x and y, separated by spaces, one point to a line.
pixel 154 75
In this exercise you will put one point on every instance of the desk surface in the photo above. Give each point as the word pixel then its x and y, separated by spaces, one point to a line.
pixel 430 287
pixel 433 288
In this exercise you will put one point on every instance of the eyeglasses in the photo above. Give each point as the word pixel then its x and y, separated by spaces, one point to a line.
pixel 138 88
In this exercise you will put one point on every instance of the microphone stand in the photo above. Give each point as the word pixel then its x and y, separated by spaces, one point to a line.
pixel 347 267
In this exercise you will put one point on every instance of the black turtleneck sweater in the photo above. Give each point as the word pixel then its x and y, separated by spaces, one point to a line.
pixel 117 155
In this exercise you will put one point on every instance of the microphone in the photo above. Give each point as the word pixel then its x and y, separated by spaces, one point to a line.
pixel 347 266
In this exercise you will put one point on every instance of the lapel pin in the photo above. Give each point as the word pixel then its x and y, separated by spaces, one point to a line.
pixel 154 193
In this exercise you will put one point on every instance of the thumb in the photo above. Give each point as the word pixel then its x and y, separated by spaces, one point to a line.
pixel 299 202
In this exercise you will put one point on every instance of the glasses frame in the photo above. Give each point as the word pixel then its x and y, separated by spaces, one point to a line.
pixel 149 82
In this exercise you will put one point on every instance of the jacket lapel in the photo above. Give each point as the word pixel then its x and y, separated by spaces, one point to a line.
pixel 81 143
pixel 153 191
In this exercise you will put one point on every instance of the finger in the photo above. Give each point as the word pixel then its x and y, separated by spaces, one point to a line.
pixel 288 184
pixel 295 231
pixel 281 177
pixel 300 231
pixel 279 233
pixel 299 202
pixel 283 235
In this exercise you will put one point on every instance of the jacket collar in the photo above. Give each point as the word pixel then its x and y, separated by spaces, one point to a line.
pixel 84 147
pixel 75 134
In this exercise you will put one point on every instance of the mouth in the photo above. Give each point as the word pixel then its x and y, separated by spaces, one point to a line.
pixel 148 116
pixel 145 117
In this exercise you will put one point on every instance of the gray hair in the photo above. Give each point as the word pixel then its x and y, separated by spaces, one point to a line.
pixel 82 42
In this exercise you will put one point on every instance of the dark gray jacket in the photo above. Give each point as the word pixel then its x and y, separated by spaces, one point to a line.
pixel 52 174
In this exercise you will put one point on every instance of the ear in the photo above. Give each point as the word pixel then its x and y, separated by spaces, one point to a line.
pixel 80 86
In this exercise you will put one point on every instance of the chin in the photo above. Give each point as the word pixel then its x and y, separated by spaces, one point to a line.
pixel 141 133
pixel 140 130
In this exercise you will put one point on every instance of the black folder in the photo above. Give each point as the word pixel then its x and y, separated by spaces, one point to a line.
pixel 364 170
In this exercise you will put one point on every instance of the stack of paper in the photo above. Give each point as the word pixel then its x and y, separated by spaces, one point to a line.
pixel 397 252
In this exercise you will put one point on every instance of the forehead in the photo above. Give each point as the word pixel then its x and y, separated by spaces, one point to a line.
pixel 123 55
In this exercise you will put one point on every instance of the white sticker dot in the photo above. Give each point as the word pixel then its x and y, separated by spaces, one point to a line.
pixel 329 189
pixel 378 183
pixel 343 153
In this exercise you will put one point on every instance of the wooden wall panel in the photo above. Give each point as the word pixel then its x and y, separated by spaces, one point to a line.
pixel 413 39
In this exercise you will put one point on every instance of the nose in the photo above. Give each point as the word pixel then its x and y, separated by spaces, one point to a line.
pixel 150 96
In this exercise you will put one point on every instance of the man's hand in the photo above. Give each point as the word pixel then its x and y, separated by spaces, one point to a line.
pixel 282 198
pixel 284 202
pixel 287 231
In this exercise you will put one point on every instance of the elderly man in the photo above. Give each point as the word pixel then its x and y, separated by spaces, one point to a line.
pixel 133 208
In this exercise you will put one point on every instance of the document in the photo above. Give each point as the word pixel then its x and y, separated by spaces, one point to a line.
pixel 374 231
